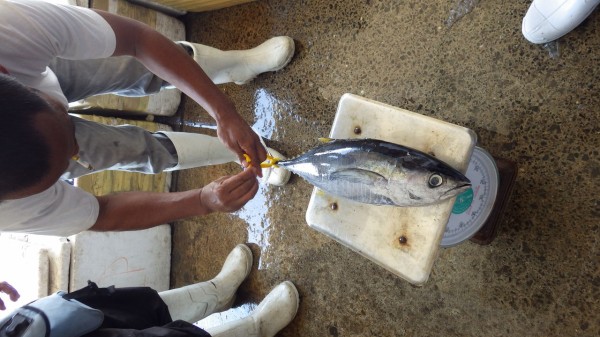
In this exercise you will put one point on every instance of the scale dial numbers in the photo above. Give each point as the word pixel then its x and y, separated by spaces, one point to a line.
pixel 472 207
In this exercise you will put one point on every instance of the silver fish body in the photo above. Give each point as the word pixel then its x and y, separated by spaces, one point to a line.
pixel 377 172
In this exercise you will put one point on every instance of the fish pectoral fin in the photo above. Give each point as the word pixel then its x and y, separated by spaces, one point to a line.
pixel 414 196
pixel 359 176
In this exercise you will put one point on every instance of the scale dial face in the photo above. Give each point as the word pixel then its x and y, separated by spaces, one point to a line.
pixel 473 207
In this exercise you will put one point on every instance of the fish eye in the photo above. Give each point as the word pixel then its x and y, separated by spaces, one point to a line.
pixel 435 180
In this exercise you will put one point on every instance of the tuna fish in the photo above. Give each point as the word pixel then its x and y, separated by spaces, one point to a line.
pixel 377 172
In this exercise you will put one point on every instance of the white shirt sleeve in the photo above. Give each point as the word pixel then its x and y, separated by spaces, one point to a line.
pixel 34 32
pixel 61 210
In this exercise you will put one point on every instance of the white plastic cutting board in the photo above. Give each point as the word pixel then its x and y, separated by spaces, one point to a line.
pixel 404 240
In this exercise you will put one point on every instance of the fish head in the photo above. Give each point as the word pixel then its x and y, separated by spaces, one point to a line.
pixel 433 181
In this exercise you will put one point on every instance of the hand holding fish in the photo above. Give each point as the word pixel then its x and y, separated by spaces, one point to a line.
pixel 229 194
pixel 10 291
pixel 235 133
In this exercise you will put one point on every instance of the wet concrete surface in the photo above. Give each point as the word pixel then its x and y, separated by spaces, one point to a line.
pixel 463 62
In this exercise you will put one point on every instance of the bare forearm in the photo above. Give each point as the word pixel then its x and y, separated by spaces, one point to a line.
pixel 141 210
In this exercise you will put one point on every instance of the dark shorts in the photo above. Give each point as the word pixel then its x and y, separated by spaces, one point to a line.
pixel 133 312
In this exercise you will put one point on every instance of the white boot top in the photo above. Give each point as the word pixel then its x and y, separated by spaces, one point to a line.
pixel 547 20
pixel 272 314
pixel 241 66
pixel 196 301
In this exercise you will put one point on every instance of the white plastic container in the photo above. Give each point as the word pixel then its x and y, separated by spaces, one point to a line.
pixel 123 259
pixel 403 240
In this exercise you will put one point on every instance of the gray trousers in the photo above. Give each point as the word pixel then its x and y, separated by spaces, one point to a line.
pixel 127 147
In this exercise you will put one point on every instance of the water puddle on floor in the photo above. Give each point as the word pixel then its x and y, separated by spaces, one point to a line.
pixel 269 111
pixel 459 10
pixel 552 49
pixel 258 222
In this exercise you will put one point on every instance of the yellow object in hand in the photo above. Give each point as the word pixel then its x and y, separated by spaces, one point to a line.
pixel 271 161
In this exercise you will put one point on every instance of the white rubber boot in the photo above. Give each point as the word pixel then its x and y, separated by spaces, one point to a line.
pixel 272 314
pixel 241 66
pixel 277 176
pixel 194 302
pixel 548 20
pixel 196 150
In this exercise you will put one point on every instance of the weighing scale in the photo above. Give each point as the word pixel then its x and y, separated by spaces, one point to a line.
pixel 507 170
pixel 403 240
pixel 476 213
pixel 472 207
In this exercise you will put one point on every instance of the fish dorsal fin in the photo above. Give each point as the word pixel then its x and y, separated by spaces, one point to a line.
pixel 357 175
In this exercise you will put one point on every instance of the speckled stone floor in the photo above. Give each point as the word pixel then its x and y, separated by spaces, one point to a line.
pixel 463 62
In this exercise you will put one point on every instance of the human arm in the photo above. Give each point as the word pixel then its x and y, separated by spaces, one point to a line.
pixel 171 63
pixel 65 210
pixel 9 290
pixel 141 210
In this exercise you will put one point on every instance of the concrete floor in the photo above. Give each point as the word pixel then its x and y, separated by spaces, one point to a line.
pixel 463 62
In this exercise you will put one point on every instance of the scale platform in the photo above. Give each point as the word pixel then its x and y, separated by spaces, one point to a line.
pixel 403 240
